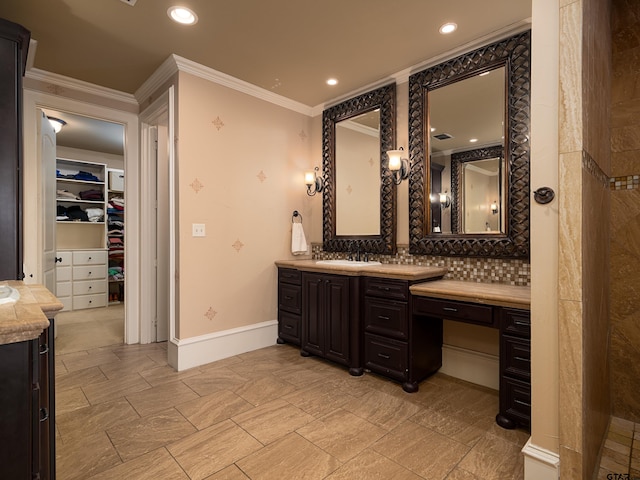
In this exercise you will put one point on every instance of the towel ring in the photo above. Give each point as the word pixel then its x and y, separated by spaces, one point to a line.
pixel 296 214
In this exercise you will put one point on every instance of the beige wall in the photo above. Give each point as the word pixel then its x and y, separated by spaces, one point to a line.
pixel 240 163
pixel 584 243
pixel 625 211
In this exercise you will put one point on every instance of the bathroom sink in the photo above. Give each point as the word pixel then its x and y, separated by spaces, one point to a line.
pixel 8 294
pixel 348 263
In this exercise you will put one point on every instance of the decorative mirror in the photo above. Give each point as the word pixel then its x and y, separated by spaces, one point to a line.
pixel 469 153
pixel 359 197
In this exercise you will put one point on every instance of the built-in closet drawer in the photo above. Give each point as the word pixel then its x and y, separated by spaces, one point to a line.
pixel 88 287
pixel 89 272
pixel 81 278
pixel 90 257
pixel 89 301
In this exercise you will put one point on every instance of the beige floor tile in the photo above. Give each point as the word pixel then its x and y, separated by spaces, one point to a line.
pixel 81 360
pixel 79 378
pixel 149 433
pixel 96 418
pixel 493 458
pixel 386 411
pixel 214 408
pixel 319 399
pixel 127 366
pixel 115 388
pixel 92 328
pixel 272 421
pixel 342 434
pixel 154 400
pixel 305 374
pixel 264 389
pixel 80 458
pixel 288 458
pixel 70 400
pixel 165 374
pixel 155 465
pixel 459 474
pixel 212 449
pixel 372 466
pixel 421 450
pixel 230 473
pixel 215 379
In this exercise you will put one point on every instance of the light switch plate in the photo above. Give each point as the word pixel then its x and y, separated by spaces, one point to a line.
pixel 198 230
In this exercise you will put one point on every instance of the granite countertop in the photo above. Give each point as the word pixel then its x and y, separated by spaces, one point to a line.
pixel 386 270
pixel 485 293
pixel 26 318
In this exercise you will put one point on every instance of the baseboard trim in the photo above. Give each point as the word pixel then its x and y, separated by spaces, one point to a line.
pixel 196 351
pixel 475 367
pixel 540 463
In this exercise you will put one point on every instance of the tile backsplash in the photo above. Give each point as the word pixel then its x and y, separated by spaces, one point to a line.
pixel 471 269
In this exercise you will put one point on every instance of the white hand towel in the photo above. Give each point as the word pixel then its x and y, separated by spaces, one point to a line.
pixel 298 240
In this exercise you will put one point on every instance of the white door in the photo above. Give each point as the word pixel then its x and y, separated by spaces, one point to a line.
pixel 47 162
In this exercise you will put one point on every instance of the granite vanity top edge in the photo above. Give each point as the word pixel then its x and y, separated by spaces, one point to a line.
pixel 386 270
pixel 26 318
pixel 486 293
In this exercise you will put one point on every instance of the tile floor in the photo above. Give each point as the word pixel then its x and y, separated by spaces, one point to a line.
pixel 122 412
pixel 621 451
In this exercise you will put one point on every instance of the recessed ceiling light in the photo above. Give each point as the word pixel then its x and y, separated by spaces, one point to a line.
pixel 183 15
pixel 332 81
pixel 473 140
pixel 448 28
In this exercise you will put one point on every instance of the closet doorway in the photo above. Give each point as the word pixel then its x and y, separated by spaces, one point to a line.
pixel 90 232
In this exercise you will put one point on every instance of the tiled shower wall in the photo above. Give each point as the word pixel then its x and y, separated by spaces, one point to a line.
pixel 625 211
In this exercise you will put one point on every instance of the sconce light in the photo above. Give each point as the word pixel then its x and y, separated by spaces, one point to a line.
pixel 494 207
pixel 311 179
pixel 399 166
pixel 56 123
pixel 445 200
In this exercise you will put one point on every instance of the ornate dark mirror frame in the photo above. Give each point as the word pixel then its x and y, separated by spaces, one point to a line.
pixel 383 98
pixel 514 53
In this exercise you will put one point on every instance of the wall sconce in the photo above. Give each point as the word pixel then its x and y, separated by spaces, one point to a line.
pixel 56 123
pixel 494 207
pixel 445 200
pixel 399 166
pixel 311 179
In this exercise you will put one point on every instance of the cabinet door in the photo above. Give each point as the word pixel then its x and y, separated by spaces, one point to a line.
pixel 337 319
pixel 312 315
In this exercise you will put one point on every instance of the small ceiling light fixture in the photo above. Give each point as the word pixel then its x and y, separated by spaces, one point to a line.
pixel 183 15
pixel 56 123
pixel 399 166
pixel 311 179
pixel 332 82
pixel 473 140
pixel 448 28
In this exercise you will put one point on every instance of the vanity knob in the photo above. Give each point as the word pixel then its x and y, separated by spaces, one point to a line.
pixel 57 260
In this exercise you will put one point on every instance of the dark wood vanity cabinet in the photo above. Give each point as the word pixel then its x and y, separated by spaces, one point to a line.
pixel 394 345
pixel 330 319
pixel 27 448
pixel 289 305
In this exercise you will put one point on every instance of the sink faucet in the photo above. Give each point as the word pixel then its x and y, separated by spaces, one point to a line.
pixel 357 251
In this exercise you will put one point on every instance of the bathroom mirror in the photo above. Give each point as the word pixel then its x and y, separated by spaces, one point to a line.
pixel 469 153
pixel 359 198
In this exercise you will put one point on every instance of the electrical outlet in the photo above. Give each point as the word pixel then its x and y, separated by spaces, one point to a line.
pixel 198 230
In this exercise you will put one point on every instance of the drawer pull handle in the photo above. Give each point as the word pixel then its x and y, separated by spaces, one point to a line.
pixel 528 405
pixel 382 317
pixel 521 324
pixel 382 355
pixel 288 326
pixel 449 309
pixel 44 414
pixel 44 349
pixel 521 359
pixel 287 297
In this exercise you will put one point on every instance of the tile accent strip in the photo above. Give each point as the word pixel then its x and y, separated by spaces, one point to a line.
pixel 629 182
pixel 591 166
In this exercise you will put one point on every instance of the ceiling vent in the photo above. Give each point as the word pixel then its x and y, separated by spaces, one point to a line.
pixel 129 2
pixel 443 136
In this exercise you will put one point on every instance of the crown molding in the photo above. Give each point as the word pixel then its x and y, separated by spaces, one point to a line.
pixel 176 63
pixel 79 85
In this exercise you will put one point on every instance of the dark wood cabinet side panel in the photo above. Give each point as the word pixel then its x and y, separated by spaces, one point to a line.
pixel 338 319
pixel 312 314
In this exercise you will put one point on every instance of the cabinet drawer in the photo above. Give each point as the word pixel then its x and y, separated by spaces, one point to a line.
pixel 63 289
pixel 89 286
pixel 116 180
pixel 516 322
pixel 67 303
pixel 289 327
pixel 288 275
pixel 386 317
pixel 65 259
pixel 386 288
pixel 63 274
pixel 516 400
pixel 90 272
pixel 89 257
pixel 452 310
pixel 385 356
pixel 89 301
pixel 517 357
pixel 290 298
